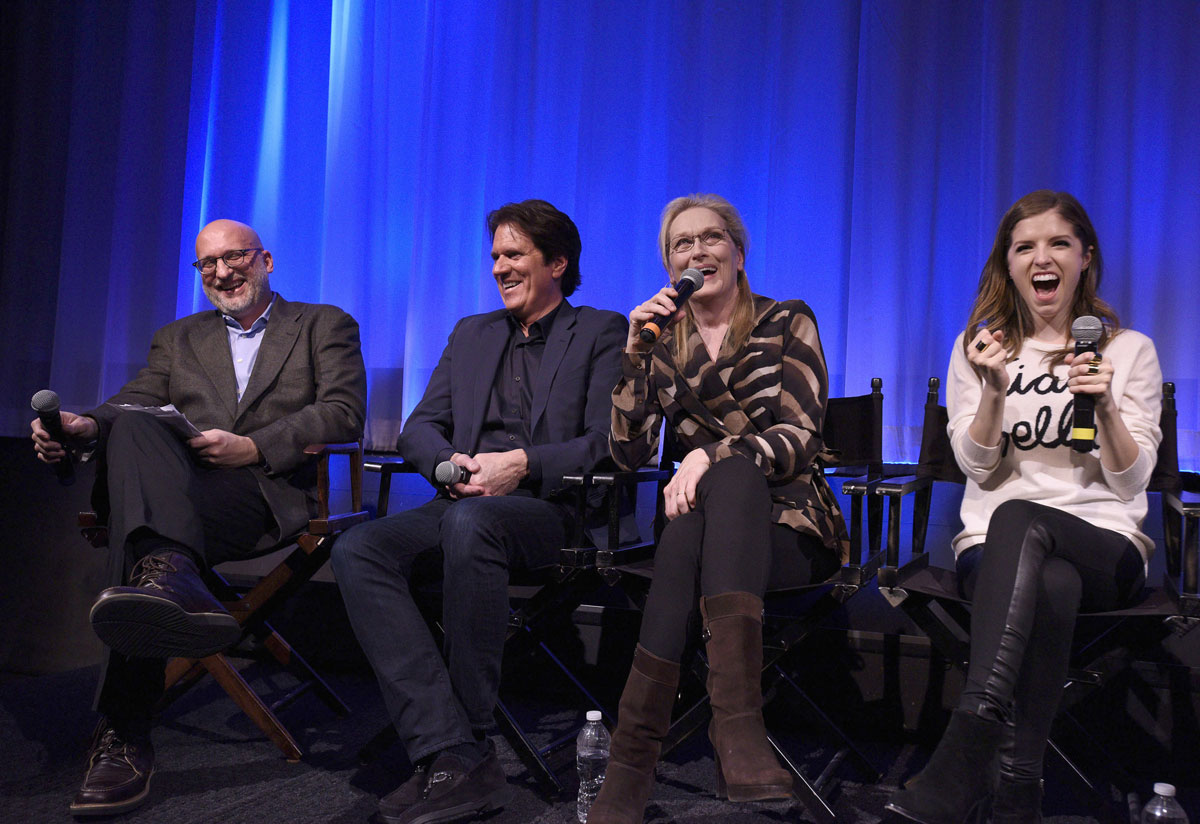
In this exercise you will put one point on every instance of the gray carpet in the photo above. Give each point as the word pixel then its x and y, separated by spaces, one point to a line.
pixel 214 766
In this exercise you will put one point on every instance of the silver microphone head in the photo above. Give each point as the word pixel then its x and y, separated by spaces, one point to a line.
pixel 694 275
pixel 45 400
pixel 448 472
pixel 1087 329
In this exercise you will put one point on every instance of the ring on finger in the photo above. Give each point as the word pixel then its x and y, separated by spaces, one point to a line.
pixel 1094 367
pixel 980 346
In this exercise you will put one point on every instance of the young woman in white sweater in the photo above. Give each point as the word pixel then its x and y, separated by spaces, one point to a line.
pixel 1048 531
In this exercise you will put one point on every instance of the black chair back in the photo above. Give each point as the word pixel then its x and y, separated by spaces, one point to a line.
pixel 937 458
pixel 1165 477
pixel 853 433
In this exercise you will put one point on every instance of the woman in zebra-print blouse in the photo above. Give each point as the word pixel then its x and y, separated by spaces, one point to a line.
pixel 740 379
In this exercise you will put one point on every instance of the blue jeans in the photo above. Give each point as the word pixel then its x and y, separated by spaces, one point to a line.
pixel 435 704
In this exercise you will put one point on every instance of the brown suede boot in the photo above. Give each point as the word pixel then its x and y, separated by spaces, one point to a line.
pixel 747 769
pixel 643 718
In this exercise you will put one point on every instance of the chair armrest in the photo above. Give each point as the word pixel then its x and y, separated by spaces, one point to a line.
pixel 333 448
pixel 354 453
pixel 864 485
pixel 1189 503
pixel 1190 481
pixel 386 464
pixel 334 524
pixel 1181 533
pixel 1181 537
pixel 894 489
pixel 611 482
pixel 637 476
pixel 860 489
pixel 611 478
pixel 902 485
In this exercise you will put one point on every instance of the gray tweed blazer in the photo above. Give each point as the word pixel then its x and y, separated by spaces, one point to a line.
pixel 308 386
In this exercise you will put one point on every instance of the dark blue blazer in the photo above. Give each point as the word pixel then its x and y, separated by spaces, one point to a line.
pixel 572 399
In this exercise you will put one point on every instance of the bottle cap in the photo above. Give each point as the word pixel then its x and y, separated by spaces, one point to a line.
pixel 1167 790
pixel 595 715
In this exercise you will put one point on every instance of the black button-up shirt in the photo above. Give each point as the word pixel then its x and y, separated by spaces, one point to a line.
pixel 506 422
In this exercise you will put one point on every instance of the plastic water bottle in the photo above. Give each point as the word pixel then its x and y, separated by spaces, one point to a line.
pixel 591 759
pixel 1163 808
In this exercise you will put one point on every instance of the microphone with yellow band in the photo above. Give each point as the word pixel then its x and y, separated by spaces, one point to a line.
pixel 1087 331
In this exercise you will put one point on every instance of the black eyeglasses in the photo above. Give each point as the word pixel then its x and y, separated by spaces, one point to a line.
pixel 234 257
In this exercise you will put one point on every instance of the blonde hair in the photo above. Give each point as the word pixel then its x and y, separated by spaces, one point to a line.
pixel 999 305
pixel 742 321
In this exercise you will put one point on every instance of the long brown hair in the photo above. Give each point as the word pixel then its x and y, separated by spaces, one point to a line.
pixel 742 321
pixel 999 305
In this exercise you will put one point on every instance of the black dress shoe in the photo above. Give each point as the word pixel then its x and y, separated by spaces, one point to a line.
pixel 395 803
pixel 165 612
pixel 118 774
pixel 449 791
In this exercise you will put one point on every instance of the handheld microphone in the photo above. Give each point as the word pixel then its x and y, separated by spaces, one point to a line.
pixel 689 281
pixel 449 473
pixel 1087 331
pixel 46 404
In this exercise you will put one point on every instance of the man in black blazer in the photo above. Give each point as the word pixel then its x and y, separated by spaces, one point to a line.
pixel 520 397
pixel 260 378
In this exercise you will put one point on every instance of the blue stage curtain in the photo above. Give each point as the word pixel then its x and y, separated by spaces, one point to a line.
pixel 871 146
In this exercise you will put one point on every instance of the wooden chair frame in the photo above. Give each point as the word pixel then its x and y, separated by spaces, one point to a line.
pixel 253 609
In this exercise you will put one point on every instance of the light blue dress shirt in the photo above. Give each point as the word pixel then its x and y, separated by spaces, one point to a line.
pixel 244 344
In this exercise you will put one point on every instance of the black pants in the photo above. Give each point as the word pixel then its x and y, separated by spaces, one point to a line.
pixel 156 494
pixel 1036 570
pixel 472 545
pixel 728 543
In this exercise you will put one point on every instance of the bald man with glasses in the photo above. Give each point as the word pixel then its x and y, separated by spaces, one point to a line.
pixel 260 378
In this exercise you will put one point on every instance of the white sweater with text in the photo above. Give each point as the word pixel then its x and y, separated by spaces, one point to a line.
pixel 1035 461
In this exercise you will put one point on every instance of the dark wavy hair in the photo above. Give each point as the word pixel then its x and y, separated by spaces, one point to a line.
pixel 997 302
pixel 552 232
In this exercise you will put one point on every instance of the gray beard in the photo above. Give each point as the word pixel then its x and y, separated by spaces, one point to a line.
pixel 234 308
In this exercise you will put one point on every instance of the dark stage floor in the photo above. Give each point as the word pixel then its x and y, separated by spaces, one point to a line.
pixel 214 766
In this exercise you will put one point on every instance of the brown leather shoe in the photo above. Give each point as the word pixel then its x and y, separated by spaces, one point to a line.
pixel 165 612
pixel 747 769
pixel 118 774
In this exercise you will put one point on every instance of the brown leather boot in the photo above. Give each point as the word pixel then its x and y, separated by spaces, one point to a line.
pixel 747 769
pixel 643 718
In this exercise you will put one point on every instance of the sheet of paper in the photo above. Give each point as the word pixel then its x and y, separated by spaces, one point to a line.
pixel 168 414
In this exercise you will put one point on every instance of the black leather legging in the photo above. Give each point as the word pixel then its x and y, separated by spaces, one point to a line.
pixel 728 543
pixel 1036 570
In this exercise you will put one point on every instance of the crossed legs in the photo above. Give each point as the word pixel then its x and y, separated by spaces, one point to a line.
pixel 1038 567
pixel 169 518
